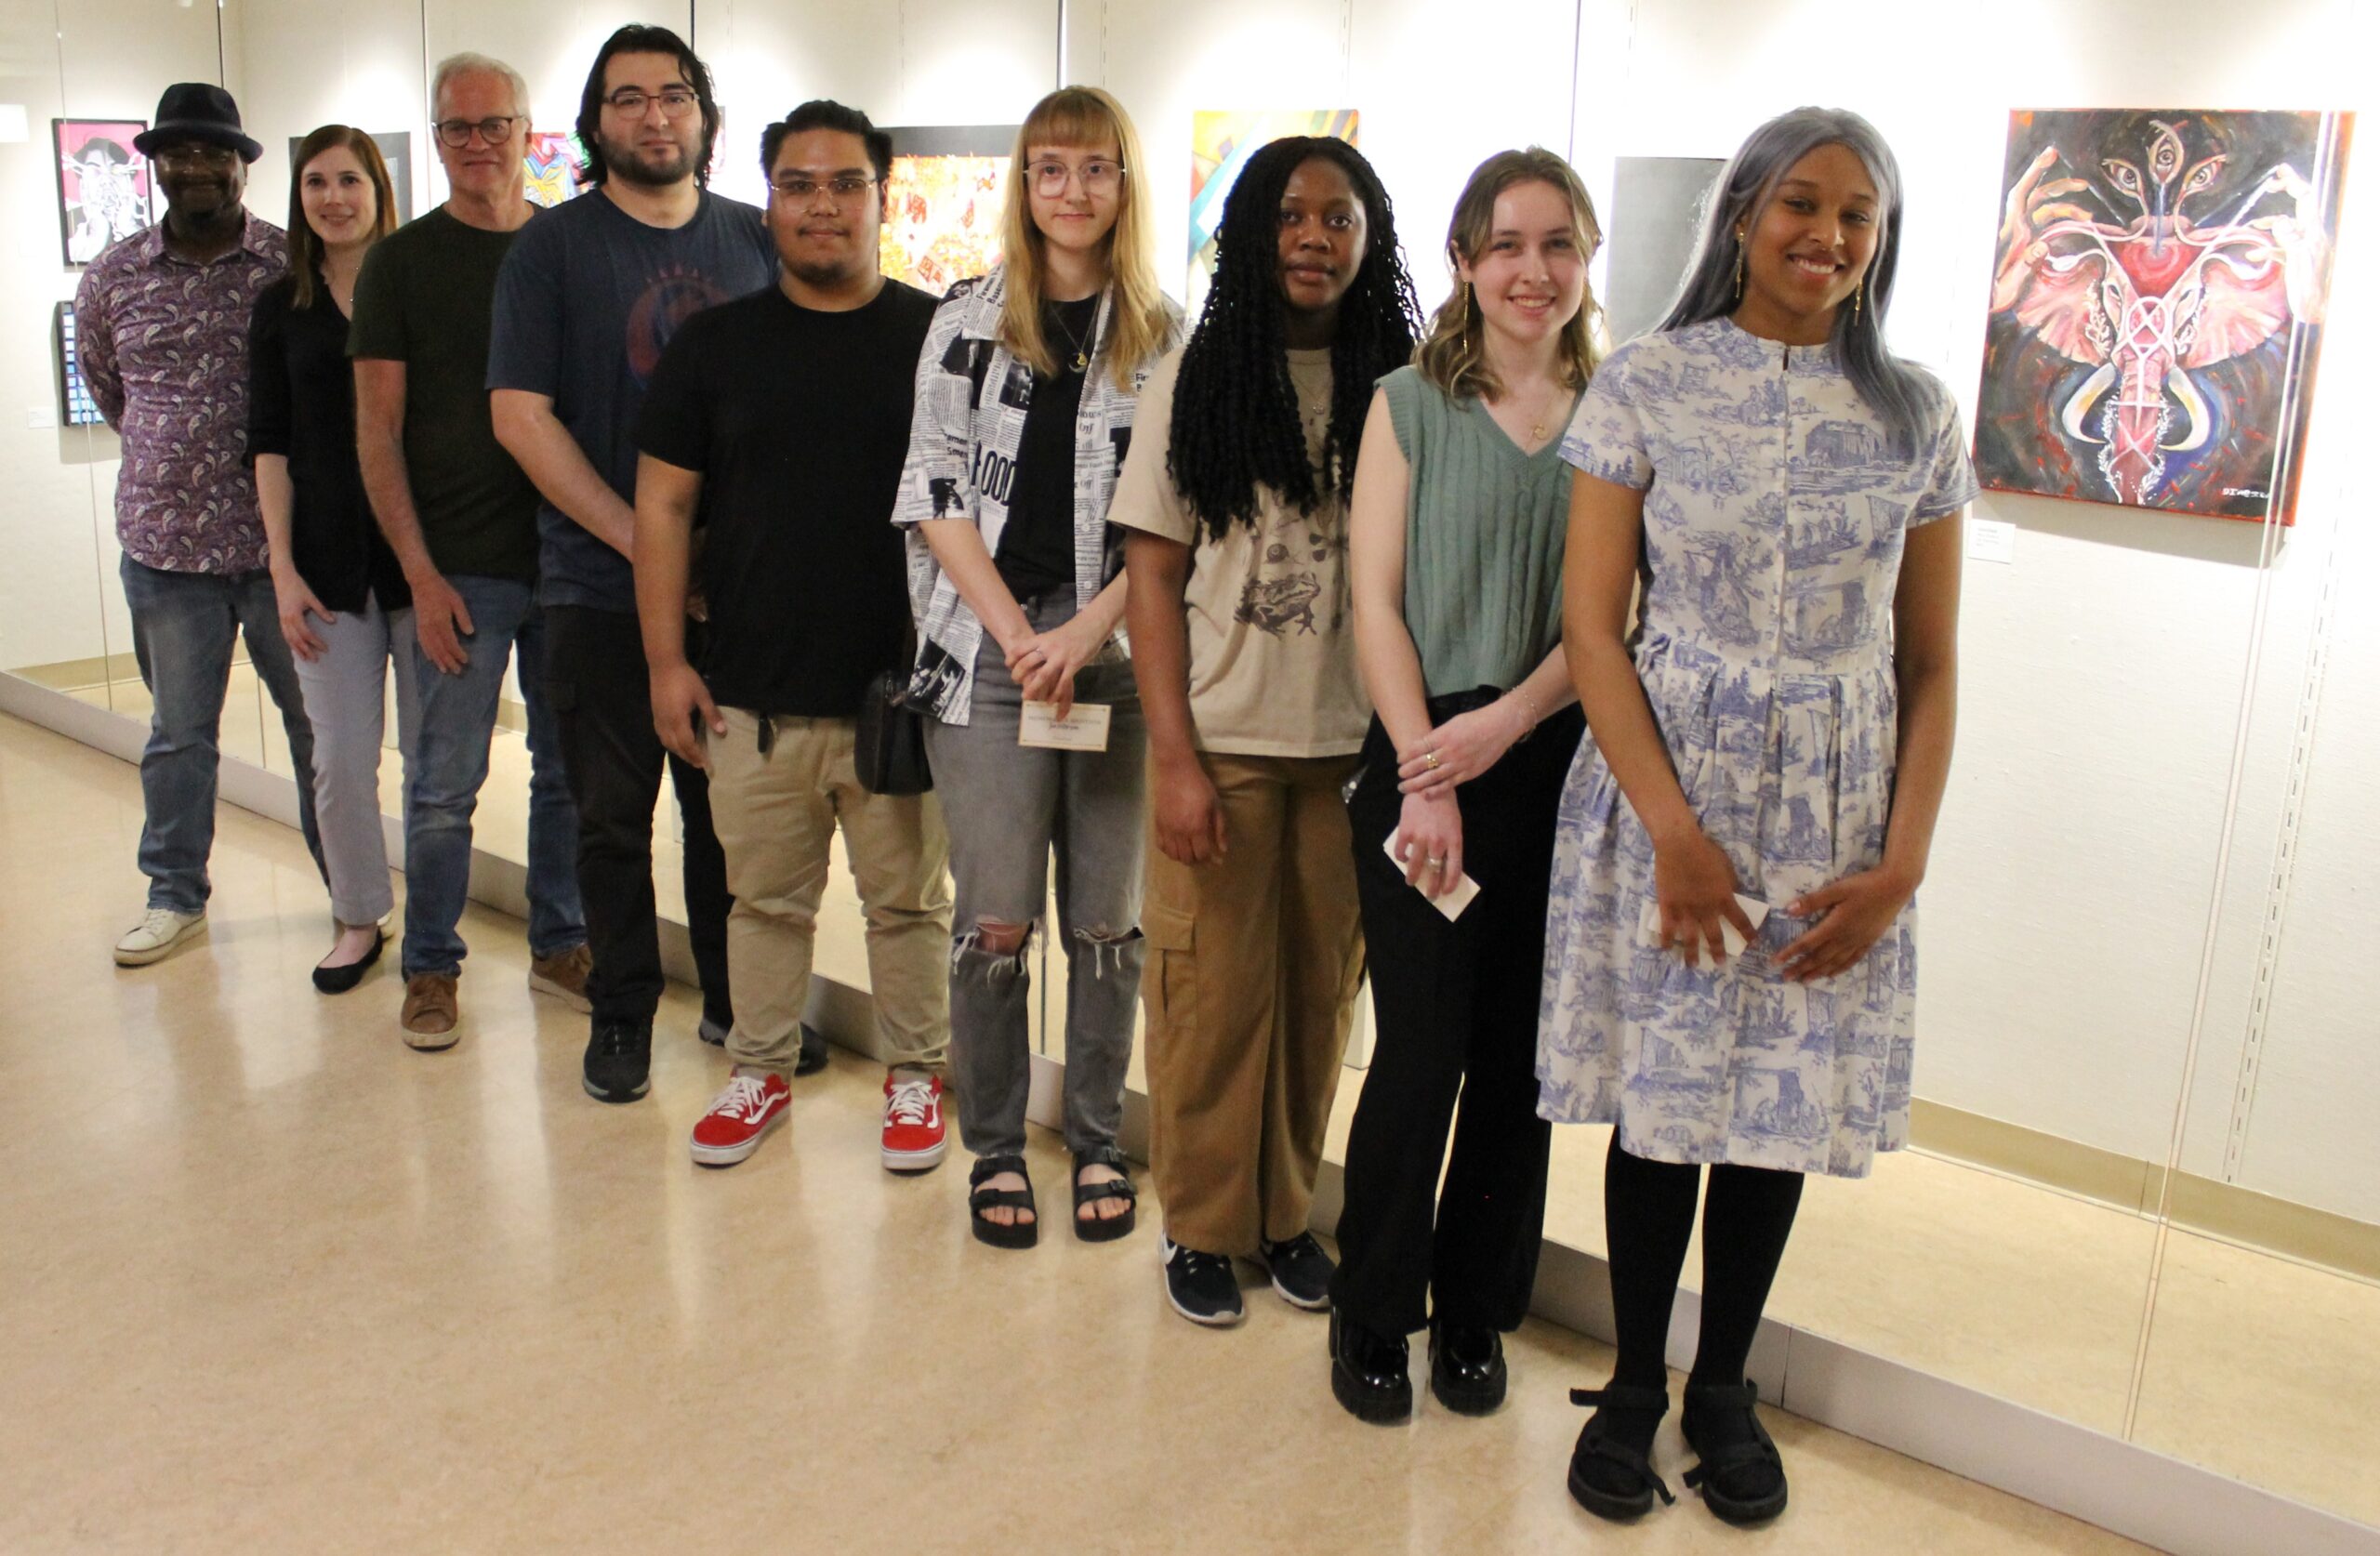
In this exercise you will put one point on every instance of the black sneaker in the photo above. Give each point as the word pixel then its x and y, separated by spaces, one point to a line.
pixel 619 1059
pixel 1201 1286
pixel 1301 1271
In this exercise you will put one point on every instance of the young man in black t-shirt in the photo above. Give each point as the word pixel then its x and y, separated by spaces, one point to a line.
pixel 784 418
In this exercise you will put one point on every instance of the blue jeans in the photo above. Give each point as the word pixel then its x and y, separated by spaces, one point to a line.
pixel 183 627
pixel 457 721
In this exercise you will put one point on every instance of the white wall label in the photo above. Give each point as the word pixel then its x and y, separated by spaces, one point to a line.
pixel 1991 540
pixel 40 415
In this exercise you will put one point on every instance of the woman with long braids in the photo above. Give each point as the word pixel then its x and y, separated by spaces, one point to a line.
pixel 1458 524
pixel 1234 500
pixel 1730 963
pixel 1027 390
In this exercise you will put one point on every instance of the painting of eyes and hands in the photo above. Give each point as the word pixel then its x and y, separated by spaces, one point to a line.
pixel 2156 306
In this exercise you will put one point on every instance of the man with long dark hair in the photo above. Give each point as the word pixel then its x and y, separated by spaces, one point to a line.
pixel 1234 501
pixel 588 300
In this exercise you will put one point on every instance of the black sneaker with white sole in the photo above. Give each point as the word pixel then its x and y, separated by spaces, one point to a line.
pixel 1201 1286
pixel 619 1060
pixel 1301 1271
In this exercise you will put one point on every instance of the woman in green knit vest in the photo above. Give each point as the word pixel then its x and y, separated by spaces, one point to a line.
pixel 1457 529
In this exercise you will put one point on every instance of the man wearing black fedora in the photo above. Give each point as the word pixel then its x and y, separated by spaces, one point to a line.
pixel 163 335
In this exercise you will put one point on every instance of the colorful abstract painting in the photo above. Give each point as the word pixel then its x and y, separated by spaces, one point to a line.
pixel 2156 306
pixel 1220 143
pixel 943 203
pixel 553 162
pixel 103 187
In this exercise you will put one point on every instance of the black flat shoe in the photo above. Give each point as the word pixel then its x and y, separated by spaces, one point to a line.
pixel 1015 1235
pixel 1466 1369
pixel 1095 1227
pixel 1610 1478
pixel 1367 1372
pixel 338 980
pixel 1742 1475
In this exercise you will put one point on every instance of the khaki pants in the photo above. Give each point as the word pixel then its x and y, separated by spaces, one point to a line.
pixel 775 814
pixel 1250 986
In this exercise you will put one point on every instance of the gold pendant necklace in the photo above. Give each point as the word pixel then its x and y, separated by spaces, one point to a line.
pixel 1082 347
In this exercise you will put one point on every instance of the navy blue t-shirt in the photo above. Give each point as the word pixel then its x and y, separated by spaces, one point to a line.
pixel 587 300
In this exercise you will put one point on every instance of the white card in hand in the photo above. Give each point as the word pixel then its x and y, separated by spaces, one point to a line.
pixel 1454 902
pixel 1083 729
pixel 1648 926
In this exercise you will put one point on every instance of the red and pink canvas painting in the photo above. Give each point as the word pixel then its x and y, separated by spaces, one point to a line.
pixel 2156 306
pixel 102 184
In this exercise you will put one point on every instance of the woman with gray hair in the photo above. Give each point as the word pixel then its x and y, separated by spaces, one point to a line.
pixel 1731 958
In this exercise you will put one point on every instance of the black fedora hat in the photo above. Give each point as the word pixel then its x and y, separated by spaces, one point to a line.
pixel 197 110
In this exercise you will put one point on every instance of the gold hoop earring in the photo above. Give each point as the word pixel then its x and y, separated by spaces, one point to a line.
pixel 1857 288
pixel 1466 318
pixel 1739 267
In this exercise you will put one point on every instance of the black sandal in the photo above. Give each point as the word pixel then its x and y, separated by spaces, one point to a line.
pixel 1594 1444
pixel 1104 1229
pixel 1735 1456
pixel 1016 1234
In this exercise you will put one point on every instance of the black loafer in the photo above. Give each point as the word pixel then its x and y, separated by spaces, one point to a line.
pixel 338 980
pixel 1367 1372
pixel 1466 1369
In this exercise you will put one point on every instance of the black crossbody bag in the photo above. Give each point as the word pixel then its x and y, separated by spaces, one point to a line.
pixel 890 742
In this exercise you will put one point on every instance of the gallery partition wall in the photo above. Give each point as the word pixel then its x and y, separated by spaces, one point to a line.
pixel 2145 1192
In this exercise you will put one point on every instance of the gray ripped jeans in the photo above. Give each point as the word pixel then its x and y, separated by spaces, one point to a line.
pixel 1007 807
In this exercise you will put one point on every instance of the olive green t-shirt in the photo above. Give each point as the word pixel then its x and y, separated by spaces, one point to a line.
pixel 425 299
pixel 1272 628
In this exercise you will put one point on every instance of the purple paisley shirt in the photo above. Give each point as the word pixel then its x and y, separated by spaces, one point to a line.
pixel 164 344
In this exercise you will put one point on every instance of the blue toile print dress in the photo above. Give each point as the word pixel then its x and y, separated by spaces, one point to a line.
pixel 1776 506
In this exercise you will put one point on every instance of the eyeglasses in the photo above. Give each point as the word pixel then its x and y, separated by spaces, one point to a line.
pixel 846 188
pixel 457 132
pixel 199 155
pixel 676 102
pixel 1099 175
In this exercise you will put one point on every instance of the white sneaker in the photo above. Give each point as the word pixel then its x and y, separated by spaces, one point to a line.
pixel 155 936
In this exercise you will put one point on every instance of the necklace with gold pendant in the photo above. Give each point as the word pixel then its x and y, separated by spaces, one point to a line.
pixel 1082 347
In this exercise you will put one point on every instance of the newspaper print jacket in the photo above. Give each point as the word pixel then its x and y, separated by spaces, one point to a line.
pixel 964 432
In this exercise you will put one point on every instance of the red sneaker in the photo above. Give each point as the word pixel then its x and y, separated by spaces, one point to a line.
pixel 913 1130
pixel 741 1118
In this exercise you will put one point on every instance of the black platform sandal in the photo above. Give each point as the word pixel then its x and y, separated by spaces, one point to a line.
pixel 1750 1496
pixel 1593 1444
pixel 1099 1229
pixel 1017 1235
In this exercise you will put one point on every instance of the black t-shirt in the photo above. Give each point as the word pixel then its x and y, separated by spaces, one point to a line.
pixel 301 406
pixel 1037 542
pixel 798 423
pixel 424 299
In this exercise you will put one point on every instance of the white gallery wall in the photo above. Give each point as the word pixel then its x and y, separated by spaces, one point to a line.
pixel 2096 822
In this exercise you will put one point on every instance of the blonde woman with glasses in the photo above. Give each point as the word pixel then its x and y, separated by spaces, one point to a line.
pixel 1024 402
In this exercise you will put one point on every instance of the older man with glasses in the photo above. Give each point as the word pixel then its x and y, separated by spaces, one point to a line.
pixel 163 317
pixel 463 522
pixel 588 300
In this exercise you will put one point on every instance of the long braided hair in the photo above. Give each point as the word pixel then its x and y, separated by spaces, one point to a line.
pixel 1236 424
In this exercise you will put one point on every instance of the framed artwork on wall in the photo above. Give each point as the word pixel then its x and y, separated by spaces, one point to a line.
pixel 1656 210
pixel 1221 142
pixel 943 203
pixel 103 185
pixel 75 407
pixel 553 165
pixel 2156 306
pixel 396 150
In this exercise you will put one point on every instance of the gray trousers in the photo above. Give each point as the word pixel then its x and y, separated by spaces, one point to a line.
pixel 1008 807
pixel 344 696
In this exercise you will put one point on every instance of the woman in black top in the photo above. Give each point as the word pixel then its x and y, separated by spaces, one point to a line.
pixel 340 591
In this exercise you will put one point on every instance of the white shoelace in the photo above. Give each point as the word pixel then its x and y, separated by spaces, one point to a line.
pixel 744 1099
pixel 909 1102
pixel 161 922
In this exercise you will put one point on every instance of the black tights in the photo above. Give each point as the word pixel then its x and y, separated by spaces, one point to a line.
pixel 1648 1213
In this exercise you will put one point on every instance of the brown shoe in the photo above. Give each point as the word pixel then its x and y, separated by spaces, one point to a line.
pixel 430 1013
pixel 564 977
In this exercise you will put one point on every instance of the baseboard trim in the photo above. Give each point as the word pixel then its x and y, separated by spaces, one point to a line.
pixel 2120 1486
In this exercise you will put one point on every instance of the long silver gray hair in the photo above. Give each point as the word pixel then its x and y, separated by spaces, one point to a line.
pixel 1897 391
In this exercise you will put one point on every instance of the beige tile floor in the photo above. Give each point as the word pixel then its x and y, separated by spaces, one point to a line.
pixel 1991 1280
pixel 275 1282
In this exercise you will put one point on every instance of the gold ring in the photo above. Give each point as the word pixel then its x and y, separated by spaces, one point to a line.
pixel 1434 863
pixel 1430 760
